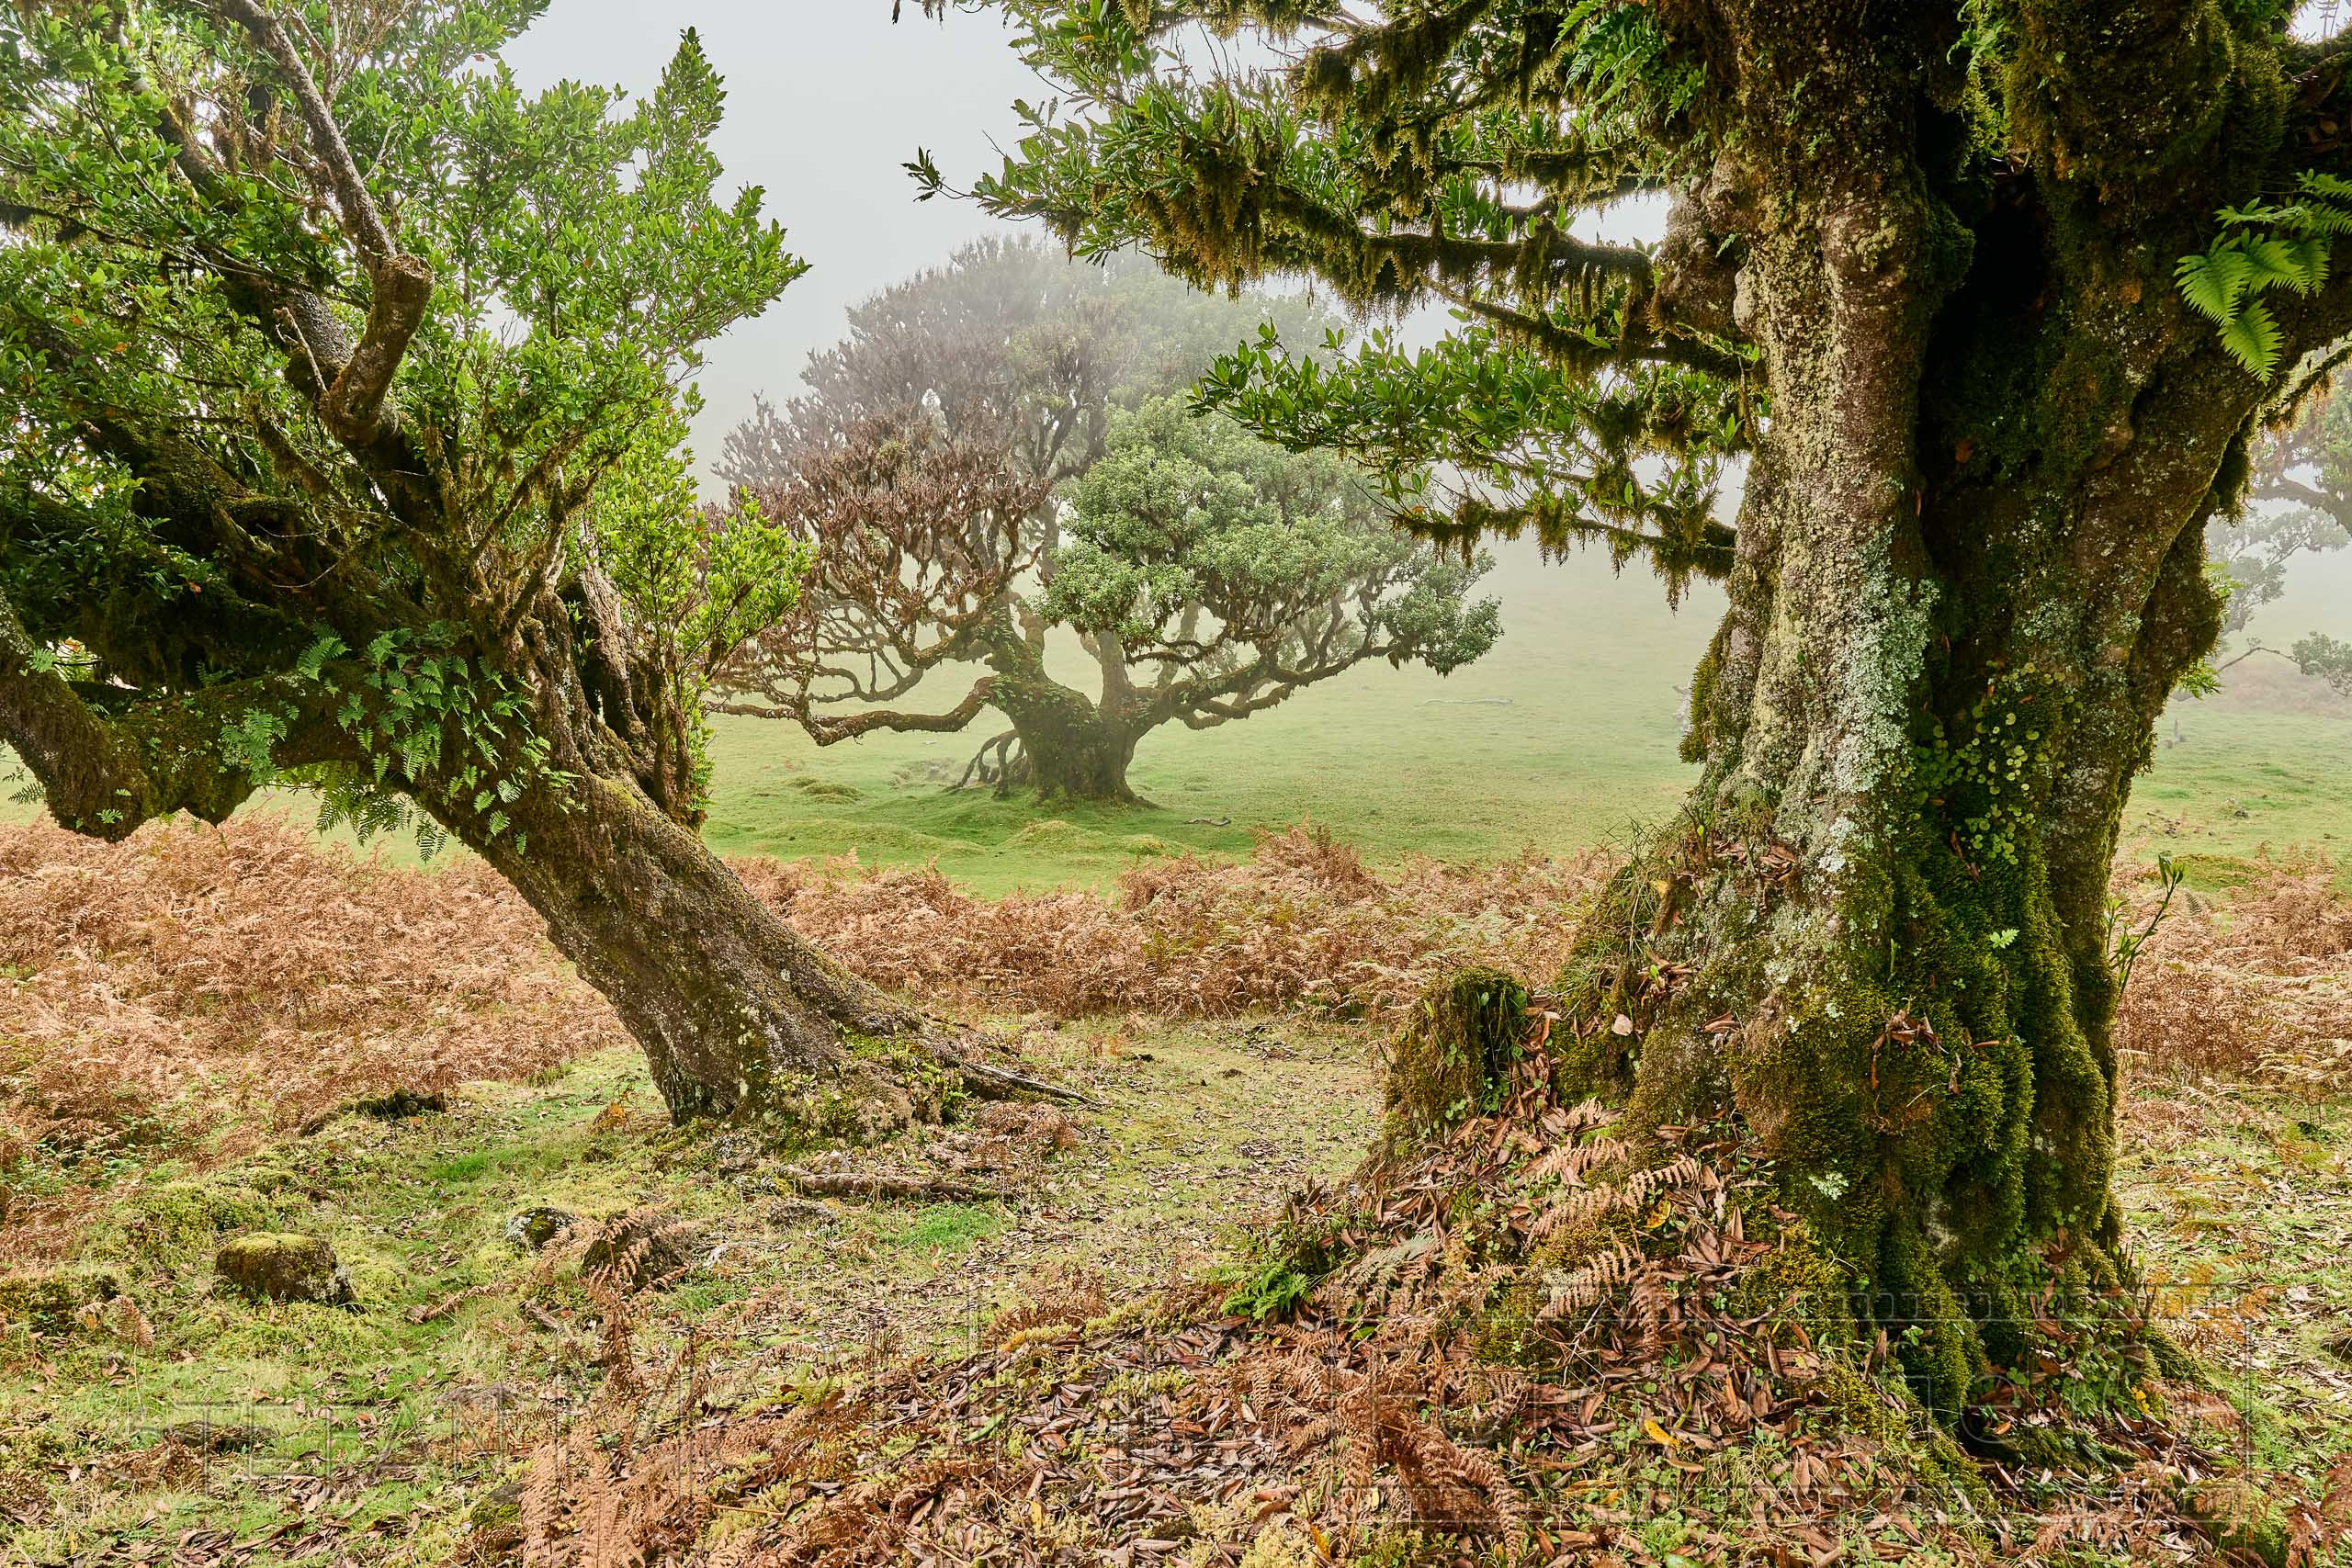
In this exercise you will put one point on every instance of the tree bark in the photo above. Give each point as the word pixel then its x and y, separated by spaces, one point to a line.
pixel 1965 587
pixel 735 1012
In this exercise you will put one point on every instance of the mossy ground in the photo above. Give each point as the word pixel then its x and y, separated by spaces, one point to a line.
pixel 379 1434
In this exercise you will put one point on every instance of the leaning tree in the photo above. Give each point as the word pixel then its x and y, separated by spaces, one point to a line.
pixel 342 391
pixel 1013 349
pixel 1993 294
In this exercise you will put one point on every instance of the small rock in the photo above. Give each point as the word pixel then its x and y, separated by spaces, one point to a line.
pixel 277 1266
pixel 635 1250
pixel 756 1184
pixel 534 1228
pixel 733 1152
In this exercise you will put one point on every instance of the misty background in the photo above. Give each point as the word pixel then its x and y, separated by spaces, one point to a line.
pixel 827 98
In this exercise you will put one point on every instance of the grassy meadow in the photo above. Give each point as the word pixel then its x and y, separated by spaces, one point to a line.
pixel 1563 737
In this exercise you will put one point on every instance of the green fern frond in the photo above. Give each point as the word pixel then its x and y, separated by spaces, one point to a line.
pixel 2311 259
pixel 2224 283
pixel 2252 338
pixel 2213 281
pixel 2271 260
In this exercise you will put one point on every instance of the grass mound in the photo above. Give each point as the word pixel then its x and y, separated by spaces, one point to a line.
pixel 1454 1055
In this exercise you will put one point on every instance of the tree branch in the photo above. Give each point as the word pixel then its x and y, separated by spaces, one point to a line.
pixel 105 774
pixel 351 405
pixel 827 728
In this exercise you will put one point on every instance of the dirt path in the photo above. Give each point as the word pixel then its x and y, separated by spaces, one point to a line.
pixel 1203 1128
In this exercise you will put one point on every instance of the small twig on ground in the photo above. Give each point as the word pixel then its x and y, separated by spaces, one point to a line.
pixel 457 1299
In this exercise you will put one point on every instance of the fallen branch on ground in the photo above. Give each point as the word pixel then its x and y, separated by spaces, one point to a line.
pixel 874 1184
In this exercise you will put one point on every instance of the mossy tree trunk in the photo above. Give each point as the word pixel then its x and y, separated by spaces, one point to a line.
pixel 731 1007
pixel 1969 576
pixel 1072 747
pixel 736 1012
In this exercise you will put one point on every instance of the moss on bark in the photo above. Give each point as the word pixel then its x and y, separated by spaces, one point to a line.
pixel 1454 1059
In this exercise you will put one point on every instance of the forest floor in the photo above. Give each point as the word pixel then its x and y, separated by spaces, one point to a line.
pixel 212 1430
pixel 345 1420
pixel 180 1065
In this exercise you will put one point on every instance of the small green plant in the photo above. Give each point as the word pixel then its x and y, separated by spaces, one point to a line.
pixel 2123 945
pixel 1273 1293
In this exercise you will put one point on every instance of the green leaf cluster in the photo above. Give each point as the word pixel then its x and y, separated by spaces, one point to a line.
pixel 1192 533
pixel 192 275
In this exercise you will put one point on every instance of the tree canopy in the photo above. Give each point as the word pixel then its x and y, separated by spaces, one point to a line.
pixel 288 435
pixel 343 390
pixel 1245 572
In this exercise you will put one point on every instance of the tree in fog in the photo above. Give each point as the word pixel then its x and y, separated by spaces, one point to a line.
pixel 1223 576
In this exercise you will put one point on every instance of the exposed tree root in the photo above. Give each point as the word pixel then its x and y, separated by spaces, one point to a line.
pixel 985 1080
pixel 1001 762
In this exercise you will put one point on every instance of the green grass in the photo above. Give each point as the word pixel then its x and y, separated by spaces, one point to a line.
pixel 2238 782
pixel 1564 737
pixel 943 1227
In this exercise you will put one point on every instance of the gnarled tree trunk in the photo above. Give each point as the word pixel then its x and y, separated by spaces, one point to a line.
pixel 733 1009
pixel 736 1013
pixel 1966 585
pixel 1071 747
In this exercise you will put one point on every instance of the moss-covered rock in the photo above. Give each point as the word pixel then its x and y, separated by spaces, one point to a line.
pixel 2243 1521
pixel 175 1221
pixel 278 1266
pixel 48 1300
pixel 533 1228
pixel 1454 1056
pixel 400 1104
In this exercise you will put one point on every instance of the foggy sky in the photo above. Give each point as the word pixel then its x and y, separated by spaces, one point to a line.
pixel 825 99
